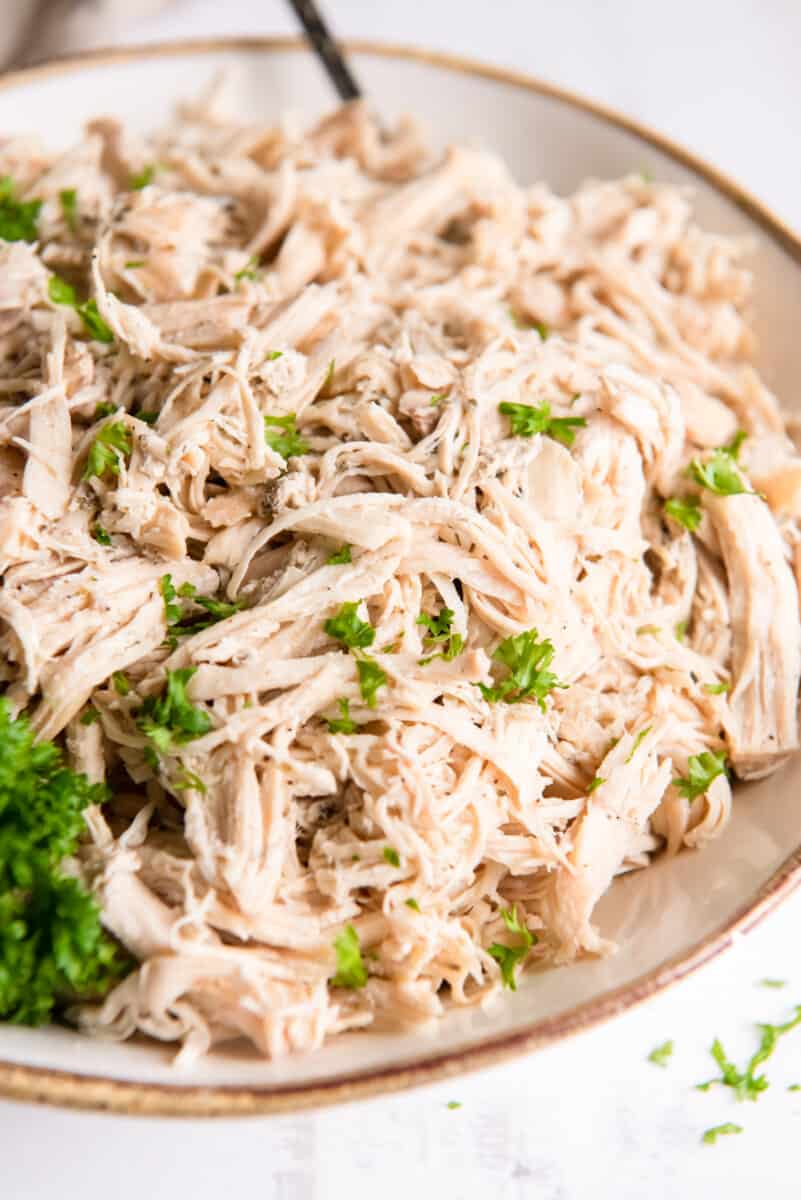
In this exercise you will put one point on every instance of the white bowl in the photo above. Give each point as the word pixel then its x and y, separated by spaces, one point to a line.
pixel 669 919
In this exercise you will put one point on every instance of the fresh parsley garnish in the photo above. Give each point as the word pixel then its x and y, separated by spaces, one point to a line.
pixel 134 264
pixel 439 634
pixel 410 902
pixel 638 741
pixel 142 179
pixel 660 1056
pixel 288 443
pixel 371 678
pixel 507 957
pixel 180 622
pixel 719 474
pixel 90 717
pixel 453 1104
pixel 348 627
pixel 250 269
pixel 273 355
pixel 528 419
pixel 595 783
pixel 111 443
pixel 391 856
pixel 101 535
pixel 344 723
pixel 528 660
pixel 68 199
pixel 746 1085
pixel 342 555
pixel 121 683
pixel 170 719
pixel 104 409
pixel 773 983
pixel 681 630
pixel 686 512
pixel 701 770
pixel 351 971
pixel 61 292
pixel 53 949
pixel 17 217
pixel 712 1135
pixel 716 689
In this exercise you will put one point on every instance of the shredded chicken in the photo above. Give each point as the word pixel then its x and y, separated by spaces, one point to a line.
pixel 300 390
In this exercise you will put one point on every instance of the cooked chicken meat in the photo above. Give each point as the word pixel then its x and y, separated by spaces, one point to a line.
pixel 410 551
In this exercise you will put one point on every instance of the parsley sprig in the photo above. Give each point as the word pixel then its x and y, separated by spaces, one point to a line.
pixel 17 217
pixel 528 419
pixel 61 292
pixel 701 770
pixel 169 720
pixel 440 634
pixel 53 949
pixel 344 723
pixel 112 443
pixel 686 512
pixel 719 473
pixel 528 660
pixel 351 971
pixel 747 1085
pixel 348 627
pixel 288 442
pixel 340 556
pixel 182 623
pixel 507 957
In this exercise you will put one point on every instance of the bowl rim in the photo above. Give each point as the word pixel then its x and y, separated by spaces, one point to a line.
pixel 22 1082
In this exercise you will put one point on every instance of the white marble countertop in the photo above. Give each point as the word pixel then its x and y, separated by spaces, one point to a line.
pixel 590 1119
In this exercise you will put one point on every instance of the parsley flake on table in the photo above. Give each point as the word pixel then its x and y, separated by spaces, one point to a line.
pixel 746 1085
pixel 528 660
pixel 701 770
pixel 101 535
pixel 528 419
pixel 439 634
pixel 142 179
pixel 773 983
pixel 112 443
pixel 348 627
pixel 508 957
pixel 594 783
pixel 686 512
pixel 344 722
pixel 712 1135
pixel 17 217
pixel 660 1056
pixel 453 1104
pixel 351 971
pixel 288 442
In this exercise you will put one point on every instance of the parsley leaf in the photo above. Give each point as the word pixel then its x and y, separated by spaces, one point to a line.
pixel 53 949
pixel 289 443
pixel 638 741
pixel 716 689
pixel 346 626
pixel 371 678
pixel 121 684
pixel 172 611
pixel 596 783
pixel 183 624
pixel 507 957
pixel 773 983
pixel 344 723
pixel 61 292
pixel 410 902
pixel 17 218
pixel 342 555
pixel 661 1055
pixel 170 719
pixel 90 717
pixel 101 535
pixel 712 1135
pixel 719 474
pixel 351 971
pixel 453 1104
pixel 439 633
pixel 528 660
pixel 702 769
pixel 686 512
pixel 68 198
pixel 250 269
pixel 112 442
pixel 527 419
pixel 142 178
pixel 745 1084
pixel 391 856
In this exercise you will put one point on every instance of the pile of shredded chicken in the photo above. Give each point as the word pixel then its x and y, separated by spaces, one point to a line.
pixel 392 300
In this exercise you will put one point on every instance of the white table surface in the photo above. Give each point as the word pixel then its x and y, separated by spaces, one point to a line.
pixel 590 1119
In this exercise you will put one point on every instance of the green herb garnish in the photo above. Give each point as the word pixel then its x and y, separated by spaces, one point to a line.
pixel 348 627
pixel 111 443
pixel 250 269
pixel 288 443
pixel 142 178
pixel 101 535
pixel 120 682
pixel 686 512
pixel 351 971
pixel 344 723
pixel 170 719
pixel 719 474
pixel 410 902
pixel 527 419
pixel 716 689
pixel 712 1135
pixel 371 678
pixel 439 634
pixel 701 770
pixel 61 292
pixel 68 199
pixel 661 1055
pixel 638 741
pixel 17 217
pixel 746 1085
pixel 340 556
pixel 596 783
pixel 507 957
pixel 90 717
pixel 391 856
pixel 528 660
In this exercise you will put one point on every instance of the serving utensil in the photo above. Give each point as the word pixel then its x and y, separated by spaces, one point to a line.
pixel 326 49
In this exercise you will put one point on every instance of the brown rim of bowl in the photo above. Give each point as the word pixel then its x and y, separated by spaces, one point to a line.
pixel 44 1085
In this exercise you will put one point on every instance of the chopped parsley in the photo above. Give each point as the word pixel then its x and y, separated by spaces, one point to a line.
pixel 528 419
pixel 288 442
pixel 648 629
pixel 134 264
pixel 410 902
pixel 250 269
pixel 61 292
pixel 121 683
pixel 329 375
pixel 701 770
pixel 170 719
pixel 172 610
pixel 111 443
pixel 660 1056
pixel 351 971
pixel 439 634
pixel 452 1104
pixel 528 660
pixel 68 199
pixel 104 409
pixel 371 678
pixel 746 1085
pixel 596 783
pixel 53 949
pixel 437 398
pixel 736 442
pixel 681 630
pixel 719 474
pixel 794 1087
pixel 17 217
pixel 773 983
pixel 712 1135
pixel 149 418
pixel 90 716
pixel 716 689
pixel 273 355
pixel 391 856
pixel 348 627
pixel 143 178
pixel 101 535
pixel 187 781
pixel 638 741
pixel 342 555
pixel 344 722
pixel 181 623
pixel 686 512
pixel 507 957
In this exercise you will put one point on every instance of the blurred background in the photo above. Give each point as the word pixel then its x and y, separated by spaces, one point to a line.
pixel 720 75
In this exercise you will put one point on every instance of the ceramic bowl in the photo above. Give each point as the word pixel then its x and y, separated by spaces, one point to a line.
pixel 668 920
